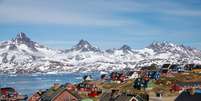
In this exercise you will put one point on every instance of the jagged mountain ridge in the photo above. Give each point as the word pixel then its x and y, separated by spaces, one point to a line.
pixel 22 55
pixel 84 46
pixel 125 49
pixel 184 51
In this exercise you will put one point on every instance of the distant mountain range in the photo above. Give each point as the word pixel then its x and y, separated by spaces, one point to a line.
pixel 22 55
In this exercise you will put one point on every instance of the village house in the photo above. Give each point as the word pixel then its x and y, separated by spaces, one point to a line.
pixel 90 88
pixel 196 69
pixel 152 67
pixel 181 69
pixel 153 75
pixel 133 75
pixel 177 68
pixel 189 67
pixel 104 77
pixel 175 88
pixel 140 83
pixel 174 68
pixel 36 96
pixel 115 95
pixel 87 78
pixel 198 91
pixel 117 77
pixel 56 93
pixel 10 94
pixel 179 86
pixel 165 68
pixel 86 86
pixel 189 95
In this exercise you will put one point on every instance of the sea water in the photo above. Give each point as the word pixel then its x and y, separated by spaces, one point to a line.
pixel 28 84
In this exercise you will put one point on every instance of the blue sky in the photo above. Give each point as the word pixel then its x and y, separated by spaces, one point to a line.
pixel 104 23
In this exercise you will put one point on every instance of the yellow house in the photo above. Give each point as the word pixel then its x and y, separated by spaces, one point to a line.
pixel 197 69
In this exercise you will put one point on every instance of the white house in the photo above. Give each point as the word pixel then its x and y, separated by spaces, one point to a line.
pixel 87 78
pixel 133 75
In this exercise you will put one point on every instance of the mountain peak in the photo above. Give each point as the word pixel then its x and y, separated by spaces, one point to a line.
pixel 22 38
pixel 84 46
pixel 21 35
pixel 164 47
pixel 125 47
pixel 83 43
pixel 161 44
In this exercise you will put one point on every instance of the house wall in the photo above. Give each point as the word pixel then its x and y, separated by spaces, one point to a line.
pixel 196 70
pixel 65 96
pixel 133 99
pixel 34 98
pixel 134 76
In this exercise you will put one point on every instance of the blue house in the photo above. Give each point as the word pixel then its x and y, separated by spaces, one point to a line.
pixel 140 83
pixel 153 75
pixel 172 68
pixel 180 69
pixel 197 91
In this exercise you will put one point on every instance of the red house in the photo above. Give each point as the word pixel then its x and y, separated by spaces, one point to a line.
pixel 115 76
pixel 175 87
pixel 95 93
pixel 185 85
pixel 86 86
pixel 90 88
pixel 8 94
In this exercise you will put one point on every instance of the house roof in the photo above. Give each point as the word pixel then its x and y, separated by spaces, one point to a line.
pixel 8 89
pixel 189 65
pixel 124 97
pixel 185 96
pixel 51 93
pixel 173 66
pixel 87 77
pixel 198 91
pixel 130 73
pixel 197 67
pixel 105 97
pixel 188 83
pixel 119 97
pixel 166 66
pixel 139 98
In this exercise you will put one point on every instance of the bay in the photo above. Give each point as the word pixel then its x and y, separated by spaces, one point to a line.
pixel 28 84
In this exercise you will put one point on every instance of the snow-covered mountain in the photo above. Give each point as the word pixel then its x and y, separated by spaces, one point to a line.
pixel 125 49
pixel 83 46
pixel 179 50
pixel 22 55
